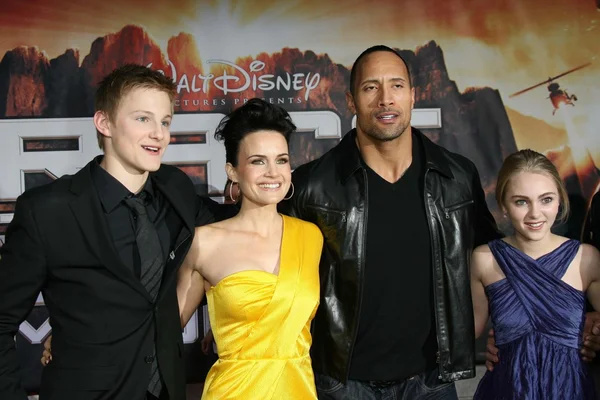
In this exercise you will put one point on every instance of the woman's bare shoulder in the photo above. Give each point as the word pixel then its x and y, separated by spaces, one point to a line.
pixel 483 252
pixel 212 230
pixel 482 259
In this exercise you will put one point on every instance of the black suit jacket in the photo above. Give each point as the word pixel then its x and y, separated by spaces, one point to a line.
pixel 104 323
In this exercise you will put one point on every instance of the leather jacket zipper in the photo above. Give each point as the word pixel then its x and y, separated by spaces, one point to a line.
pixel 455 207
pixel 428 200
pixel 362 275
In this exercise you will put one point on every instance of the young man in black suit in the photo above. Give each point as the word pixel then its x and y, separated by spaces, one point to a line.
pixel 103 247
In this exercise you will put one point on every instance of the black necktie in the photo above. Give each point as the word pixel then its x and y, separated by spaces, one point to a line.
pixel 151 266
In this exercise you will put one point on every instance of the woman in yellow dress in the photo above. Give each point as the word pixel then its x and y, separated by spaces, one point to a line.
pixel 259 269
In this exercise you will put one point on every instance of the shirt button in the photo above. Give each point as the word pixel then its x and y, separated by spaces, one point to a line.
pixel 156 309
pixel 149 359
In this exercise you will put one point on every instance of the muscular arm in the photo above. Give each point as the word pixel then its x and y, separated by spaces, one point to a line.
pixel 591 235
pixel 480 301
pixel 590 270
pixel 190 284
pixel 591 230
pixel 22 275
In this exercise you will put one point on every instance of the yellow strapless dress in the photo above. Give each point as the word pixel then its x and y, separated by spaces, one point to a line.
pixel 261 324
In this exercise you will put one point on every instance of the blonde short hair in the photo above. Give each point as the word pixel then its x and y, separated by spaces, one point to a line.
pixel 531 161
pixel 123 80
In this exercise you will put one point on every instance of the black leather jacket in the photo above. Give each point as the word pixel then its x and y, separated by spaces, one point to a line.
pixel 331 192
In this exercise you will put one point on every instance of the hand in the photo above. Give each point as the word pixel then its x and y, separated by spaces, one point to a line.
pixel 591 336
pixel 47 354
pixel 207 341
pixel 491 357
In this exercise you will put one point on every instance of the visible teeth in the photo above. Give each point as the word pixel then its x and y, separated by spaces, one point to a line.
pixel 536 224
pixel 387 117
pixel 270 185
pixel 151 148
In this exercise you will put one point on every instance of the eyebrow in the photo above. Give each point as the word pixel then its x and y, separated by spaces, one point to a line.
pixel 373 80
pixel 150 113
pixel 517 196
pixel 263 156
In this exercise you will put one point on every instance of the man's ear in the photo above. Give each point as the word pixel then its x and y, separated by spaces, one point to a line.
pixel 102 123
pixel 350 102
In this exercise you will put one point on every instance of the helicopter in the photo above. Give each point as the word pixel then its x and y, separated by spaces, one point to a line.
pixel 557 95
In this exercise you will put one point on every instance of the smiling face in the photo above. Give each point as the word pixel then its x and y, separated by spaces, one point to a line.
pixel 383 97
pixel 137 136
pixel 263 170
pixel 531 202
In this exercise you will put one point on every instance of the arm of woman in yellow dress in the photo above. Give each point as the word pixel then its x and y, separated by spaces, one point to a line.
pixel 481 256
pixel 190 283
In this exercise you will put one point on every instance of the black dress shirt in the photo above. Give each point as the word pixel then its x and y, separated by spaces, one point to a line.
pixel 121 219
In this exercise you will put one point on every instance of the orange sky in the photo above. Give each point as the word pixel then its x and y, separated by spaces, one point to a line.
pixel 508 45
pixel 341 27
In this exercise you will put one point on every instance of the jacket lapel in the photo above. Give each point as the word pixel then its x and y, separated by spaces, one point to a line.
pixel 434 159
pixel 89 215
pixel 185 211
pixel 180 204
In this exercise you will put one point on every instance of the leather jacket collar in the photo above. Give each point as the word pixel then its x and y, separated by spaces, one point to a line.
pixel 351 160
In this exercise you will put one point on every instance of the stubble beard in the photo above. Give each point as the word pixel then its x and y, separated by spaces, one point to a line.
pixel 385 135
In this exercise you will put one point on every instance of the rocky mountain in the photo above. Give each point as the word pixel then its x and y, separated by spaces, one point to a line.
pixel 474 122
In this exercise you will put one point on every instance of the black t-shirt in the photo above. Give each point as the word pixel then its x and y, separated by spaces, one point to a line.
pixel 396 335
